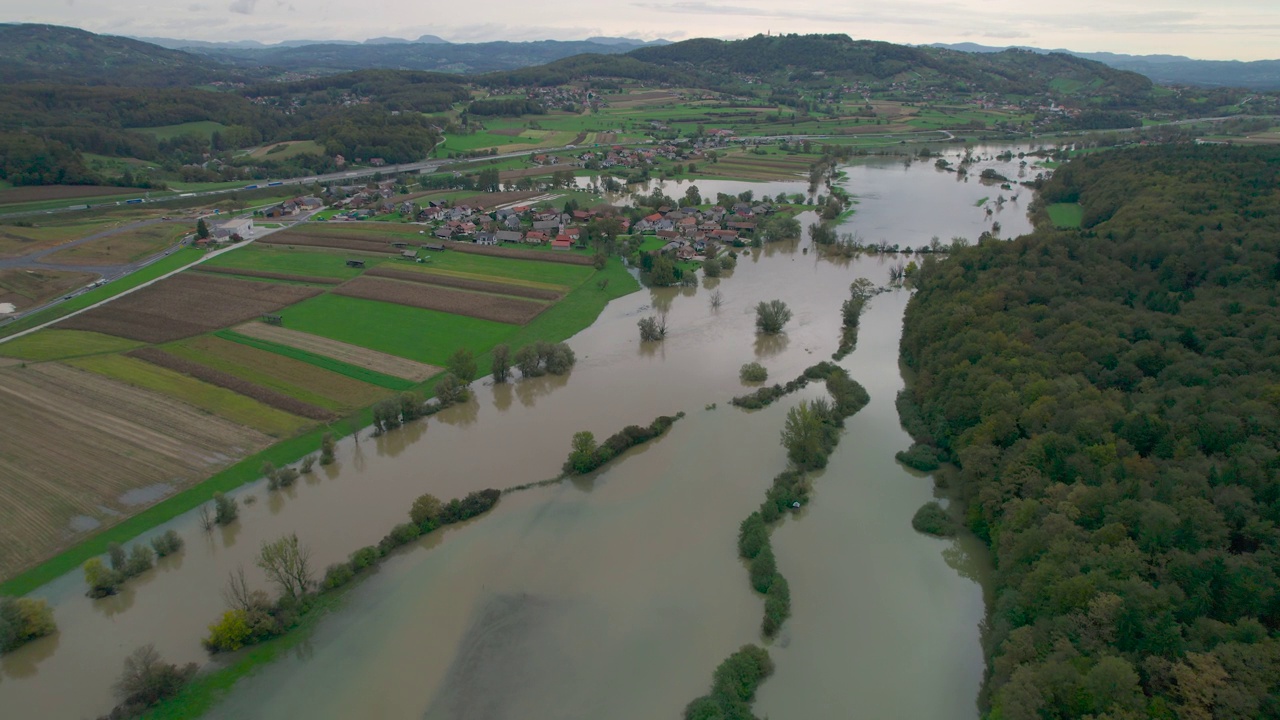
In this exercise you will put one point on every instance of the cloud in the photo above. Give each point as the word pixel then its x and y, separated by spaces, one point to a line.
pixel 244 7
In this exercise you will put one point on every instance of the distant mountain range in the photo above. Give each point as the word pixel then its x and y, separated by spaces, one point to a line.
pixel 1167 69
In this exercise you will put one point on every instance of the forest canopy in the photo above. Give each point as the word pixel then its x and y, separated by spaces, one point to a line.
pixel 1112 398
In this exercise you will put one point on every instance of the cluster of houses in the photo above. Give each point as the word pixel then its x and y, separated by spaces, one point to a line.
pixel 296 206
pixel 688 231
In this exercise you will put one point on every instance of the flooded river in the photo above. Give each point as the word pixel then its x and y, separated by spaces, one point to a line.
pixel 615 595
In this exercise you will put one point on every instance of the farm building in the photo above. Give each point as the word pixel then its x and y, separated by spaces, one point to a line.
pixel 239 226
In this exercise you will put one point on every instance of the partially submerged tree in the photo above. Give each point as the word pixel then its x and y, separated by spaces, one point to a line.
pixel 463 365
pixel 147 679
pixel 771 316
pixel 653 328
pixel 501 367
pixel 287 564
pixel 23 620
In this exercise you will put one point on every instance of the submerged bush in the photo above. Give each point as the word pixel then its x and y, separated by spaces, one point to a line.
pixel 920 457
pixel 23 620
pixel 753 372
pixel 932 519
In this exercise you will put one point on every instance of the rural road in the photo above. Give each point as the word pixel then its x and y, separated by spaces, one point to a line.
pixel 140 265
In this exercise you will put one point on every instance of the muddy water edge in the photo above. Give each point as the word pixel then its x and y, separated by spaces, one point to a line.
pixel 614 595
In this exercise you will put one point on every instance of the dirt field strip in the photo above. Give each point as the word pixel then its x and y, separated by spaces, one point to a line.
pixel 187 305
pixel 471 304
pixel 517 254
pixel 498 288
pixel 267 275
pixel 353 354
pixel 335 241
pixel 266 396
pixel 74 442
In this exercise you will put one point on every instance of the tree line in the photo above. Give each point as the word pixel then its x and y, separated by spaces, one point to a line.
pixel 1112 399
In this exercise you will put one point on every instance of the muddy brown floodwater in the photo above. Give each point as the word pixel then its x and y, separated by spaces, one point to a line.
pixel 618 594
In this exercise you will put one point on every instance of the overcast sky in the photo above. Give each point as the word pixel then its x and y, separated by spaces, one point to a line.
pixel 1221 30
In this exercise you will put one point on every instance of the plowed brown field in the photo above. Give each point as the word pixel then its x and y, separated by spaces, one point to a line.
pixel 517 254
pixel 340 241
pixel 185 305
pixel 74 442
pixel 466 284
pixel 266 275
pixel 477 305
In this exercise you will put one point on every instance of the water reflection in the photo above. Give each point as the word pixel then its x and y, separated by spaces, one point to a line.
pixel 462 414
pixel 768 345
pixel 26 663
pixel 502 395
pixel 528 390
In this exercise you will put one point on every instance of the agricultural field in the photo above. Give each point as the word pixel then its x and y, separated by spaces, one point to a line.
pixel 748 166
pixel 267 258
pixel 295 378
pixel 427 336
pixel 27 288
pixel 344 352
pixel 334 238
pixel 77 443
pixel 464 283
pixel 185 305
pixel 123 247
pixel 544 254
pixel 19 240
pixel 267 275
pixel 498 308
pixel 56 344
pixel 219 401
pixel 199 371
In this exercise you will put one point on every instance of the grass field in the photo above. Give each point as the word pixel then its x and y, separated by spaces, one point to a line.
pixel 219 401
pixel 55 344
pixel 26 288
pixel 18 240
pixel 123 247
pixel 652 242
pixel 1066 215
pixel 423 335
pixel 297 379
pixel 321 361
pixel 286 150
pixel 280 259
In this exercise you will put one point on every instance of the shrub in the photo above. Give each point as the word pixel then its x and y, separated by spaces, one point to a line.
pixel 763 569
pixel 365 557
pixel 753 536
pixel 711 267
pixel 777 606
pixel 286 476
pixel 772 316
pixel 586 456
pixel 147 679
pixel 932 519
pixel 753 372
pixel 337 575
pixel 23 620
pixel 231 632
pixel 401 534
pixel 651 330
pixel 528 361
pixel 450 390
pixel 559 359
pixel 308 463
pixel 225 509
pixel 426 510
pixel 463 365
pixel 920 457
pixel 741 673
pixel 167 544
pixel 470 506
pixel 117 555
pixel 140 560
pixel 102 580
pixel 326 449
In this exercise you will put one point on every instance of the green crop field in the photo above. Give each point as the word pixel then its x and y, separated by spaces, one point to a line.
pixel 204 129
pixel 424 335
pixel 54 344
pixel 321 361
pixel 221 402
pixel 292 262
pixel 301 380
pixel 1066 215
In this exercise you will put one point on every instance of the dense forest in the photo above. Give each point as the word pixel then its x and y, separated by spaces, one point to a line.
pixel 1111 397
